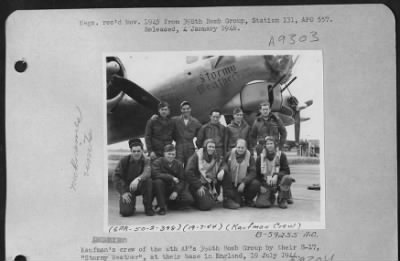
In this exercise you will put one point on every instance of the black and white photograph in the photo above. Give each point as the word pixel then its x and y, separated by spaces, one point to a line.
pixel 248 132
pixel 205 137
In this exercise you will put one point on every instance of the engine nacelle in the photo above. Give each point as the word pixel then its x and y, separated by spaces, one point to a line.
pixel 252 95
pixel 114 95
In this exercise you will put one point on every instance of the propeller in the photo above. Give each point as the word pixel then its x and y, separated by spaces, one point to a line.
pixel 296 108
pixel 136 92
pixel 293 103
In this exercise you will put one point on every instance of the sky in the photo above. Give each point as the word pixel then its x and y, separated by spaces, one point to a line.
pixel 307 86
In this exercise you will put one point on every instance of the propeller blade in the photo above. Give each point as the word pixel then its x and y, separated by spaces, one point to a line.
pixel 286 111
pixel 304 105
pixel 309 102
pixel 136 92
pixel 297 120
pixel 299 108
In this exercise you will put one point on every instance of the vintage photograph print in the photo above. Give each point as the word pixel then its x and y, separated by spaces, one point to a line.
pixel 228 137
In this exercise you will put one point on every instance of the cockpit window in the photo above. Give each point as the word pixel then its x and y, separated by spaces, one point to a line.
pixel 193 59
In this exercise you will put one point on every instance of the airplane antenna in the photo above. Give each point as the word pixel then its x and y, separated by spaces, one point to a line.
pixel 278 82
pixel 218 60
pixel 295 59
pixel 287 85
pixel 289 92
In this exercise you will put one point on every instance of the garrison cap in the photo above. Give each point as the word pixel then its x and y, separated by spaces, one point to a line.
pixel 135 142
pixel 237 110
pixel 169 147
pixel 210 140
pixel 163 104
pixel 185 103
pixel 271 138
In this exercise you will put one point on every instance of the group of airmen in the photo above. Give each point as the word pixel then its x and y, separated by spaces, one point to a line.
pixel 245 162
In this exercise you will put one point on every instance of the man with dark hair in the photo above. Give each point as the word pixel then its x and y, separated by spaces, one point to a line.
pixel 158 132
pixel 202 171
pixel 237 129
pixel 168 182
pixel 186 128
pixel 213 130
pixel 274 174
pixel 239 182
pixel 267 124
pixel 132 178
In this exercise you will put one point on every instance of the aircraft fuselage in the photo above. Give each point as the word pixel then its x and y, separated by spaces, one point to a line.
pixel 206 84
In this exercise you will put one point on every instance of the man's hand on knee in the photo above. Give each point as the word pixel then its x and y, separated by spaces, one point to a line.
pixel 201 191
pixel 274 180
pixel 173 196
pixel 134 185
pixel 126 198
pixel 241 187
pixel 220 175
pixel 263 190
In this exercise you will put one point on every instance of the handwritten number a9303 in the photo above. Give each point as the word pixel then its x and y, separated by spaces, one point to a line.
pixel 293 39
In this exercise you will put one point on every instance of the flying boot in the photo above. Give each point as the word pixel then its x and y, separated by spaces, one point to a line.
pixel 284 191
pixel 263 199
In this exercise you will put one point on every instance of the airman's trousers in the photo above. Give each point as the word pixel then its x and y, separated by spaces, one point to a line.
pixel 163 190
pixel 144 189
pixel 205 202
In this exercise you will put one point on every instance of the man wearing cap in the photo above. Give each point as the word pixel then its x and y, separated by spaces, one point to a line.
pixel 237 129
pixel 186 128
pixel 267 124
pixel 213 130
pixel 132 177
pixel 239 182
pixel 158 132
pixel 204 170
pixel 168 182
pixel 274 174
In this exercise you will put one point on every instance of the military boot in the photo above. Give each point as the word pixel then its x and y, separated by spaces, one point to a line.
pixel 263 199
pixel 249 203
pixel 290 199
pixel 149 212
pixel 284 191
pixel 230 204
pixel 283 203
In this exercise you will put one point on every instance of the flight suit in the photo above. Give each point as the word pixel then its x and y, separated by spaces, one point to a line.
pixel 282 186
pixel 215 132
pixel 158 133
pixel 162 173
pixel 196 181
pixel 126 171
pixel 235 132
pixel 183 135
pixel 231 180
pixel 272 126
